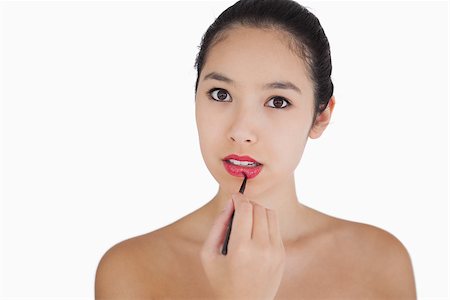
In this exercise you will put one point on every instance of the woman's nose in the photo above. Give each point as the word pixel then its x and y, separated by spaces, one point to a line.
pixel 243 128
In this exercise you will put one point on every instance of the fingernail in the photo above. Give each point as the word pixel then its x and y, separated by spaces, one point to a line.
pixel 235 199
pixel 228 206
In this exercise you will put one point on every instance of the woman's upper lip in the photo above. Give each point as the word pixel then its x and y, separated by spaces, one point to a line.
pixel 241 158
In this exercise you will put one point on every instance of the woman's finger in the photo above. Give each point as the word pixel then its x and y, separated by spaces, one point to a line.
pixel 243 220
pixel 274 227
pixel 260 224
pixel 216 235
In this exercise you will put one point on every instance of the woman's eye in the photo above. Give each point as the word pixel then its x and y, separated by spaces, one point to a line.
pixel 221 95
pixel 218 95
pixel 278 102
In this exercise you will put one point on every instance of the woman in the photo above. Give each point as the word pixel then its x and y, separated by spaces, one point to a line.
pixel 263 88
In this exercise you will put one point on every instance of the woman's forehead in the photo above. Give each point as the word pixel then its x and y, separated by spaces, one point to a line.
pixel 243 54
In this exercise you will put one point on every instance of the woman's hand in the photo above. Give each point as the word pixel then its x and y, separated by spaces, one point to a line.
pixel 254 265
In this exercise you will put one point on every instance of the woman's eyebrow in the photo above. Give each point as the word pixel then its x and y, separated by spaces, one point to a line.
pixel 286 85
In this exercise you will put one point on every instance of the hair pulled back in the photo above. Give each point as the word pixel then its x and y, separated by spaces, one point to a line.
pixel 307 38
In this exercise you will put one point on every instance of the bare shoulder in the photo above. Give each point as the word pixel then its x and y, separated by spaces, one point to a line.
pixel 126 269
pixel 384 257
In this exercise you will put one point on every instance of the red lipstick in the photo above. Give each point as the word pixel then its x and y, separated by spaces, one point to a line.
pixel 237 165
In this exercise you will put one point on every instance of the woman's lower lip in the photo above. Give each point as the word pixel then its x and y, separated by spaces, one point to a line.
pixel 234 170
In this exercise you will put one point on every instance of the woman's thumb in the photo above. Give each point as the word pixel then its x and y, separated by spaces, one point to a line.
pixel 216 235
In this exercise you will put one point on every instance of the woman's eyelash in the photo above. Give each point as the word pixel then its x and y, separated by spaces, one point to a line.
pixel 209 94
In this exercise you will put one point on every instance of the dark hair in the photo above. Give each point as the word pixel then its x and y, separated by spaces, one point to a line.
pixel 307 38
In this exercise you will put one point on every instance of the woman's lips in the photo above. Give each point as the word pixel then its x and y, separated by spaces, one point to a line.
pixel 234 170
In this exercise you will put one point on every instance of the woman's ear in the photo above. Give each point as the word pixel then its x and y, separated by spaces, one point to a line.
pixel 322 120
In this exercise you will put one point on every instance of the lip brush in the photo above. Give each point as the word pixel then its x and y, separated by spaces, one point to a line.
pixel 227 237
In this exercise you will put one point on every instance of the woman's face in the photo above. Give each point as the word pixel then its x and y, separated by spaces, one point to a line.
pixel 246 116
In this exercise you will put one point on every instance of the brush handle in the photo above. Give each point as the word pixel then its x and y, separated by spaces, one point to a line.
pixel 227 237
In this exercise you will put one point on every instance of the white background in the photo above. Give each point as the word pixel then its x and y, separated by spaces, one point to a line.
pixel 99 142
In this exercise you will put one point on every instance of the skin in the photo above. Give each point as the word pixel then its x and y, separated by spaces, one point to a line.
pixel 279 248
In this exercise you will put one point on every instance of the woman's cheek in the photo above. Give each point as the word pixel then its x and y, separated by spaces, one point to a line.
pixel 291 144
